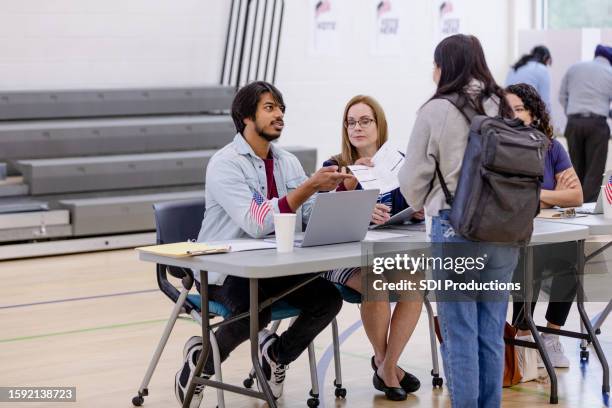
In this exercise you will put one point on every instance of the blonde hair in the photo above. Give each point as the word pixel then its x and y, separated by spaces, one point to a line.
pixel 349 154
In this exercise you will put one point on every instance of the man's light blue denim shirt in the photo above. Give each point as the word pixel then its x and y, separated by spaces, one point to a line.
pixel 233 174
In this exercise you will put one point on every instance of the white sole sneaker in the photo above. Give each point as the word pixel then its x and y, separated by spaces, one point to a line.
pixel 184 375
pixel 274 373
pixel 555 352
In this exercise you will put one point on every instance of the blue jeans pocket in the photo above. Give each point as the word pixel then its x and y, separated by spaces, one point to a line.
pixel 442 230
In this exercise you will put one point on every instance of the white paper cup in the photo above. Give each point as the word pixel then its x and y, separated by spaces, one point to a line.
pixel 606 198
pixel 284 229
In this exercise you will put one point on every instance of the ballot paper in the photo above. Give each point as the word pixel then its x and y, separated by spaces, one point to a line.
pixel 383 176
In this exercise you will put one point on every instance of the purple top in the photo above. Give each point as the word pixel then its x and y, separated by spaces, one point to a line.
pixel 557 160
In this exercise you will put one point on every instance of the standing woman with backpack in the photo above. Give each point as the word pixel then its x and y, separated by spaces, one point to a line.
pixel 471 329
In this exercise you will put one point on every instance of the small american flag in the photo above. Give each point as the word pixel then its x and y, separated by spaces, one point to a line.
pixel 322 7
pixel 259 208
pixel 383 7
pixel 446 8
pixel 608 190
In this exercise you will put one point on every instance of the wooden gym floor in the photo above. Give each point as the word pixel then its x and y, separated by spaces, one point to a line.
pixel 93 320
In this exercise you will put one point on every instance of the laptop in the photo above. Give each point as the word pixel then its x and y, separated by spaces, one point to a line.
pixel 338 217
pixel 595 208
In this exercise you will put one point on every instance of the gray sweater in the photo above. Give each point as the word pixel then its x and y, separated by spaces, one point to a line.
pixel 440 133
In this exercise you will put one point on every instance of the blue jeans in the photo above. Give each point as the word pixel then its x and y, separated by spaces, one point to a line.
pixel 472 330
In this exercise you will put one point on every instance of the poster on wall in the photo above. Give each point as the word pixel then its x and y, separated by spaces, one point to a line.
pixel 324 28
pixel 448 18
pixel 387 38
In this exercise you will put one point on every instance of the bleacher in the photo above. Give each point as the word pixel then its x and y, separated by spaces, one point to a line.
pixel 82 168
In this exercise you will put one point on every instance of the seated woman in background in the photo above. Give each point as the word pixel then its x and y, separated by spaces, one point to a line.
pixel 364 132
pixel 562 188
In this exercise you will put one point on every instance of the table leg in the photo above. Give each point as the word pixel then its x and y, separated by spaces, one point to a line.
pixel 528 280
pixel 254 325
pixel 205 338
pixel 601 318
pixel 587 323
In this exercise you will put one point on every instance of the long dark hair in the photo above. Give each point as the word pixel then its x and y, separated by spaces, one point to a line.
pixel 539 54
pixel 461 59
pixel 535 105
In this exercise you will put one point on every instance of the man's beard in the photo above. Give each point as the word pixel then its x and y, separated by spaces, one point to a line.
pixel 267 136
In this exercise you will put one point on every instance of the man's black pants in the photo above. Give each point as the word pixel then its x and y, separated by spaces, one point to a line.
pixel 318 300
pixel 587 140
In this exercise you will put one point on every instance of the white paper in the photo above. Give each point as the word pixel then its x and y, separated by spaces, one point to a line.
pixel 380 235
pixel 383 176
pixel 387 36
pixel 448 18
pixel 325 27
pixel 240 245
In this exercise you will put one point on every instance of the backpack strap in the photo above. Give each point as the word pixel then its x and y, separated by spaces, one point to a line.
pixel 461 103
pixel 447 194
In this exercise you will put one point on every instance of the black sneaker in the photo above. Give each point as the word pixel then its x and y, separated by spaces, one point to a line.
pixel 191 352
pixel 274 372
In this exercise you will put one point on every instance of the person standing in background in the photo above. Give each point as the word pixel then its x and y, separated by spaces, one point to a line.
pixel 532 69
pixel 585 94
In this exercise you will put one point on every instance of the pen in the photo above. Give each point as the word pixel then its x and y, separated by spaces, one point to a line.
pixel 195 253
pixel 208 251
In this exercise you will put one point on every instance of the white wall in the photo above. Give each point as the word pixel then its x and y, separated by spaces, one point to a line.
pixel 317 88
pixel 110 43
pixel 129 43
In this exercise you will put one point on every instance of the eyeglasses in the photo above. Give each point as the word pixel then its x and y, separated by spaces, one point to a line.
pixel 364 123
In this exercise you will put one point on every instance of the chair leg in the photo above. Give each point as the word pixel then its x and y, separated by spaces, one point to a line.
pixel 436 381
pixel 313 401
pixel 176 310
pixel 250 380
pixel 339 392
pixel 218 373
pixel 314 380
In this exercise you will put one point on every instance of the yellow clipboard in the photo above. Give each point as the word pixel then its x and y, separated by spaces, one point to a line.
pixel 185 249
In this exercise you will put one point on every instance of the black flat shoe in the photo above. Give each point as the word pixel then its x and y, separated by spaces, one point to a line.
pixel 392 393
pixel 408 382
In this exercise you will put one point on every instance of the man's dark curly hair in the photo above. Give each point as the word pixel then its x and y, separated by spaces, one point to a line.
pixel 535 105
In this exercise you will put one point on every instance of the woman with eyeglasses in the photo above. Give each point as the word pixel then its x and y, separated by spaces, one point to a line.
pixel 364 131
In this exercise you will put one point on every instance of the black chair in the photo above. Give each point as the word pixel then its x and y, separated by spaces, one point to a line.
pixel 178 221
